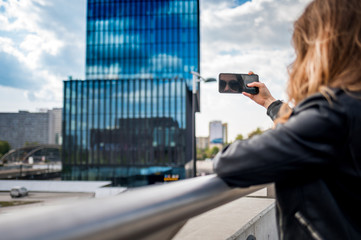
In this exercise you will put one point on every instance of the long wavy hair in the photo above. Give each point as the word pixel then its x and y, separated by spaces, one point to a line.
pixel 327 43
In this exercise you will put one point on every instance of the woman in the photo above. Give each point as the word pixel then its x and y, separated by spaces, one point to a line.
pixel 314 152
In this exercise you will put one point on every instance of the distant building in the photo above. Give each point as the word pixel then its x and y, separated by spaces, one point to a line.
pixel 202 142
pixel 218 134
pixel 31 127
pixel 55 126
pixel 225 132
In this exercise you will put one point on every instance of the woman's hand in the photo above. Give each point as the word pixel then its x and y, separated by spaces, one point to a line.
pixel 264 97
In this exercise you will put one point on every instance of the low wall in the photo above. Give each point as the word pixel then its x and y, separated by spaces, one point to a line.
pixel 261 227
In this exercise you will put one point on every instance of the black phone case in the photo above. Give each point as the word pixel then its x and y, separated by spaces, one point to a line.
pixel 251 90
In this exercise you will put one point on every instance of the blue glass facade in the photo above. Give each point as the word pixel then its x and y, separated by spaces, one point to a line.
pixel 142 39
pixel 130 120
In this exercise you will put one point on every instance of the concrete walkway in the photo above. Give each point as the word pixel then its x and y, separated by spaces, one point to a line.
pixel 223 222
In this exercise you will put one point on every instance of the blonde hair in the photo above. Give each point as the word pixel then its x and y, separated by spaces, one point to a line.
pixel 327 42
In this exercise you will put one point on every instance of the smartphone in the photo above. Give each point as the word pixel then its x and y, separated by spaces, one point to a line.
pixel 237 83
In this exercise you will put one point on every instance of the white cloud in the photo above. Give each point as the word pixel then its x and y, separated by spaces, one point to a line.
pixel 39 41
pixel 12 96
pixel 7 46
pixel 21 15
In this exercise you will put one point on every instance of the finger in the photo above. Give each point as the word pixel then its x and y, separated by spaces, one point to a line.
pixel 247 94
pixel 255 84
pixel 250 73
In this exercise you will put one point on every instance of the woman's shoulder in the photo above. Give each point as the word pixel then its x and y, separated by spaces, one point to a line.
pixel 322 115
pixel 335 99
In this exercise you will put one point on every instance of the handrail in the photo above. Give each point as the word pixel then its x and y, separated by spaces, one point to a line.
pixel 135 214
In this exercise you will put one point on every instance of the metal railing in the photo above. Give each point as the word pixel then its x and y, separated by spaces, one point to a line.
pixel 152 212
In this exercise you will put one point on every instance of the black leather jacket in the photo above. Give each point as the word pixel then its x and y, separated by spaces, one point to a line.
pixel 314 159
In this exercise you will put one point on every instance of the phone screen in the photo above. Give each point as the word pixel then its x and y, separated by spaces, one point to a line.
pixel 237 83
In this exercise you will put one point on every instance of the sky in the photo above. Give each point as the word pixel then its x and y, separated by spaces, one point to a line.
pixel 42 43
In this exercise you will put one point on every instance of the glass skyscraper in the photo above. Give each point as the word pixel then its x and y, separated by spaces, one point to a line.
pixel 142 39
pixel 130 120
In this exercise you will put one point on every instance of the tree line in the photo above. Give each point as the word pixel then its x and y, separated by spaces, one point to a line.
pixel 211 152
pixel 4 148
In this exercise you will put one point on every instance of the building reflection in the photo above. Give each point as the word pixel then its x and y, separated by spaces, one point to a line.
pixel 130 120
pixel 132 132
pixel 141 142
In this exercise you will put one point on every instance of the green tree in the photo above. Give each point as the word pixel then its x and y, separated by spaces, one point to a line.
pixel 200 153
pixel 258 131
pixel 207 153
pixel 214 151
pixel 4 147
pixel 239 137
pixel 203 153
pixel 29 144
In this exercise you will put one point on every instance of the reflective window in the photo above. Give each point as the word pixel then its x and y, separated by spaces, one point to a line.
pixel 130 113
pixel 126 28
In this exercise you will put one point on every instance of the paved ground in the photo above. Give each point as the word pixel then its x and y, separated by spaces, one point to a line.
pixel 40 199
pixel 222 222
